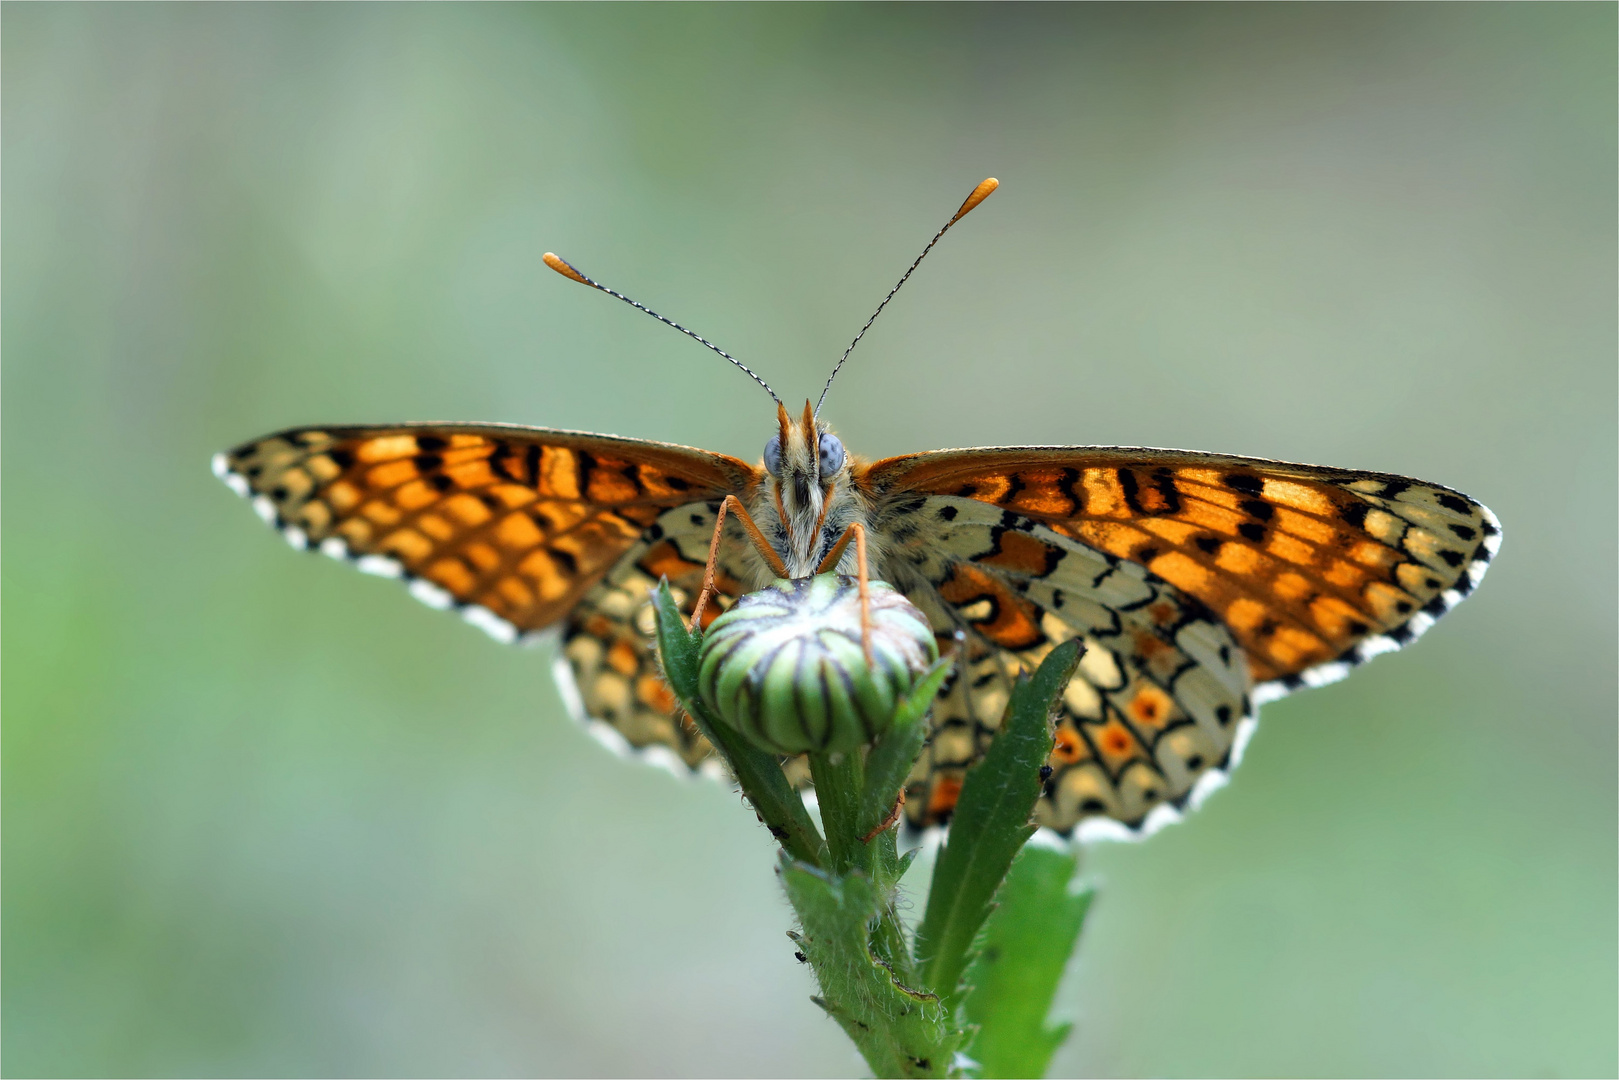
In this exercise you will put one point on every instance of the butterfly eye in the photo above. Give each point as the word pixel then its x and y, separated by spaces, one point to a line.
pixel 831 455
pixel 773 456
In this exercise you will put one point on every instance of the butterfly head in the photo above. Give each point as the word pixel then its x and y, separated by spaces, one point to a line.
pixel 808 482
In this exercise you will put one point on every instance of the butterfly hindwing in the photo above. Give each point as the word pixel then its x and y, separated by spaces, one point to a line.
pixel 512 525
pixel 608 667
pixel 1149 720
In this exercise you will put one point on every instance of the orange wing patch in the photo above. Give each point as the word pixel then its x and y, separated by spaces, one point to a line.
pixel 514 525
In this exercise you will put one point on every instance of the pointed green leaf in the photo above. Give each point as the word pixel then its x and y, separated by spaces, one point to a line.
pixel 1020 956
pixel 990 824
pixel 757 772
pixel 891 757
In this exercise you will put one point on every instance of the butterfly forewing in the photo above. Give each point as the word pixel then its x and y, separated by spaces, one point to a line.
pixel 512 525
pixel 1306 566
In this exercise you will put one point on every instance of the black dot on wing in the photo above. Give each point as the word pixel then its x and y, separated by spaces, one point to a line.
pixel 1451 502
pixel 1223 714
pixel 429 444
pixel 1248 485
pixel 1093 806
pixel 440 482
pixel 1264 511
pixel 1252 530
pixel 1357 627
pixel 428 462
pixel 1452 558
pixel 948 513
pixel 675 483
pixel 1210 545
pixel 1463 531
pixel 1195 762
pixel 697 519
pixel 279 494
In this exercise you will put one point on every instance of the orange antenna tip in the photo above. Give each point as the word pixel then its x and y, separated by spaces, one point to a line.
pixel 556 263
pixel 980 193
pixel 983 191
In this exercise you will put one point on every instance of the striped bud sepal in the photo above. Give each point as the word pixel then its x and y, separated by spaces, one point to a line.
pixel 784 666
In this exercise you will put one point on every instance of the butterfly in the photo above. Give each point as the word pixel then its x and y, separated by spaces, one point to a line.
pixel 1202 585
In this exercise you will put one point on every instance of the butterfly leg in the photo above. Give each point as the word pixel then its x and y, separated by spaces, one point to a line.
pixel 777 567
pixel 857 531
pixel 893 816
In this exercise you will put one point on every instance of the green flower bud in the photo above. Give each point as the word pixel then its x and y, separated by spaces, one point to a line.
pixel 785 667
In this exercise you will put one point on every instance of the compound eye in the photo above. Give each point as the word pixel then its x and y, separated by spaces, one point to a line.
pixel 773 456
pixel 831 455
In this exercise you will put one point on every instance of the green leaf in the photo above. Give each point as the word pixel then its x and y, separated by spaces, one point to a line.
pixel 901 1030
pixel 757 772
pixel 677 645
pixel 894 753
pixel 1026 944
pixel 990 824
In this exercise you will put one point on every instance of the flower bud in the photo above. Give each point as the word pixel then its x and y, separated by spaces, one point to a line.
pixel 785 666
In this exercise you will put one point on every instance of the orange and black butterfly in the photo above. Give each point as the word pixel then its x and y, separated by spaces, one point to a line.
pixel 1202 585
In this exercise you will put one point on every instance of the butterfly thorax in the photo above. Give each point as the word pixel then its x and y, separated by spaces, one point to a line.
pixel 807 500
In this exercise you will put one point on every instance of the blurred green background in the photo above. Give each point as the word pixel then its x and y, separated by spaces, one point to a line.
pixel 263 815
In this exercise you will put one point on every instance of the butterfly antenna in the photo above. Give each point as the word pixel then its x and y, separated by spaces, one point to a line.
pixel 567 271
pixel 980 193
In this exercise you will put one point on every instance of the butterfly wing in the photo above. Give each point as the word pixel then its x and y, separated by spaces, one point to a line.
pixel 512 525
pixel 1202 584
pixel 519 529
pixel 608 668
